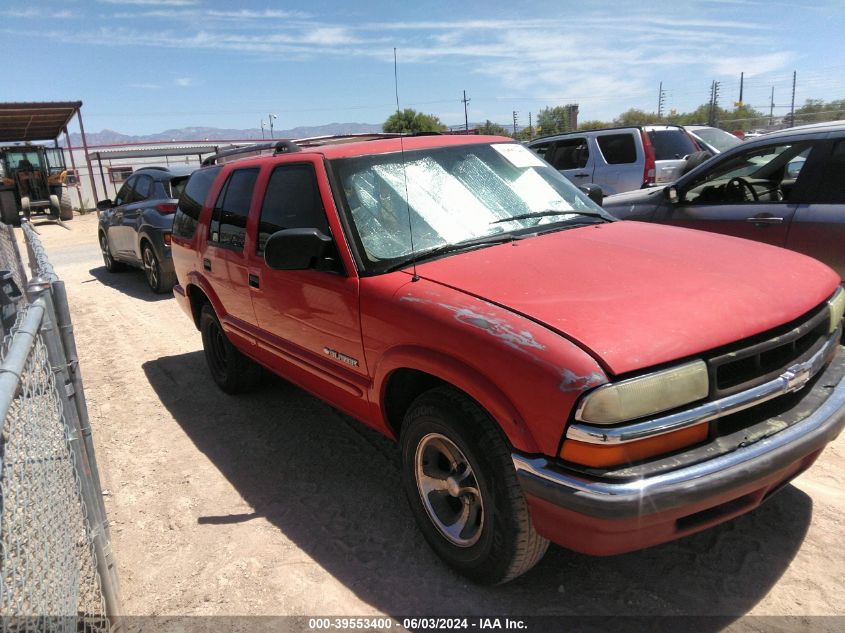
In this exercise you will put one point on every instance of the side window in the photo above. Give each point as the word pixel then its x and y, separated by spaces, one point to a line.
pixel 540 150
pixel 191 201
pixel 228 222
pixel 142 187
pixel 617 149
pixel 569 154
pixel 124 196
pixel 764 174
pixel 831 185
pixel 292 201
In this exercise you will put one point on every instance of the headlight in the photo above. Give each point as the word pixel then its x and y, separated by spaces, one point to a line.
pixel 836 306
pixel 646 395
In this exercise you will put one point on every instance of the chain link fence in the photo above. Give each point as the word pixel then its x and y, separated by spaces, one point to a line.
pixel 57 571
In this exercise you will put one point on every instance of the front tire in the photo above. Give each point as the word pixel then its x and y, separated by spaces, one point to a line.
pixel 462 488
pixel 112 265
pixel 232 371
pixel 65 206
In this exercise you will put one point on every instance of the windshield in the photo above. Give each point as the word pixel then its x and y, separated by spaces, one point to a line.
pixel 451 195
pixel 719 139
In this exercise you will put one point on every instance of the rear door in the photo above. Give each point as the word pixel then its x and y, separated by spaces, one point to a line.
pixel 225 257
pixel 308 319
pixel 572 158
pixel 752 194
pixel 818 228
pixel 619 160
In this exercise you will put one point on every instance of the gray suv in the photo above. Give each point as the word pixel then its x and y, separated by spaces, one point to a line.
pixel 619 159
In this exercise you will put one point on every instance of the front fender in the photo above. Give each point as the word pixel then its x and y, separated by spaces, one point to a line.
pixel 461 376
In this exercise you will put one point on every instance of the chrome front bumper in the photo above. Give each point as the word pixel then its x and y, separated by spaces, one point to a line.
pixel 541 478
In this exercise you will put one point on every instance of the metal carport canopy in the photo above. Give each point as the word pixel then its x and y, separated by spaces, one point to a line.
pixel 138 152
pixel 35 121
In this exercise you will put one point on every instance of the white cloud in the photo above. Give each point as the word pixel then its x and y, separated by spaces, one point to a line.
pixel 162 3
pixel 183 81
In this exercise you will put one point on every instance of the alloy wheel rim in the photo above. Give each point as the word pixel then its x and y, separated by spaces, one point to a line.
pixel 449 490
pixel 151 268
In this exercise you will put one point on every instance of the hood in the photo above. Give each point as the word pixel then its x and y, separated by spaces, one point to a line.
pixel 636 295
pixel 651 195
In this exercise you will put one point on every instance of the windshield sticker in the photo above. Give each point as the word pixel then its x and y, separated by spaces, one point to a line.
pixel 518 155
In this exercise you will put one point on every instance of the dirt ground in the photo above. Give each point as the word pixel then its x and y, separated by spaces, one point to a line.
pixel 273 503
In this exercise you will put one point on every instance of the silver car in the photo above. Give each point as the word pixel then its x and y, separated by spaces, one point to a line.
pixel 619 159
pixel 712 139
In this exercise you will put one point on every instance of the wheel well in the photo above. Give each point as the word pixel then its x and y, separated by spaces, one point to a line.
pixel 198 299
pixel 403 387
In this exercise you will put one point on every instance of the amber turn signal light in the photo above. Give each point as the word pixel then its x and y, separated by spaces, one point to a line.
pixel 604 455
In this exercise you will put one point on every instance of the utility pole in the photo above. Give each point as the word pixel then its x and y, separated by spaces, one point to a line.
pixel 515 115
pixel 530 127
pixel 271 117
pixel 714 104
pixel 661 98
pixel 772 108
pixel 741 81
pixel 466 118
pixel 262 128
pixel 792 109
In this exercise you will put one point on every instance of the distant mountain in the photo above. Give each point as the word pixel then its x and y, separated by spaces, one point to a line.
pixel 110 137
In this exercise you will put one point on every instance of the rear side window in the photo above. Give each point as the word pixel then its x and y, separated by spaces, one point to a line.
pixel 618 149
pixel 568 154
pixel 292 201
pixel 191 201
pixel 831 186
pixel 142 188
pixel 670 144
pixel 228 222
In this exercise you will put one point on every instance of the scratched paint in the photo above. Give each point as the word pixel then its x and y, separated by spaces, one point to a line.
pixel 570 381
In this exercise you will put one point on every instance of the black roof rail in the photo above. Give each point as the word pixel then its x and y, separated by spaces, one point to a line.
pixel 277 147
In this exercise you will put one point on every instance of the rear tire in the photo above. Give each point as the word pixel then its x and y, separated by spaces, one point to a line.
pixel 461 485
pixel 55 207
pixel 158 279
pixel 112 265
pixel 65 206
pixel 232 371
pixel 26 208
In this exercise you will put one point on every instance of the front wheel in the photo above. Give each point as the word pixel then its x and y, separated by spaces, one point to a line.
pixel 232 371
pixel 462 488
pixel 112 265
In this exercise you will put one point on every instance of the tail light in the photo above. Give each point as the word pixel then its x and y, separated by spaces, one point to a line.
pixel 167 239
pixel 166 208
pixel 650 169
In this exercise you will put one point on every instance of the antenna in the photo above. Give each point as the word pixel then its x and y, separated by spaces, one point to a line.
pixel 414 276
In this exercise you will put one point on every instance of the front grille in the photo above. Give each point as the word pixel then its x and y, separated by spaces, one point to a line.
pixel 758 361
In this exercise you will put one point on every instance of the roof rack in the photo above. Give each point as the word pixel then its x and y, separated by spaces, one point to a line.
pixel 276 147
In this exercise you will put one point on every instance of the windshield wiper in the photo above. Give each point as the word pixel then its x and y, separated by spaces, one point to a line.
pixel 490 240
pixel 547 213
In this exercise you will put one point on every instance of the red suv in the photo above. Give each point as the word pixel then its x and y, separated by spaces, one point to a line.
pixel 550 373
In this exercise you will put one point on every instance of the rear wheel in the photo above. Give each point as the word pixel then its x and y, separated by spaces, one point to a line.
pixel 65 206
pixel 55 206
pixel 462 488
pixel 112 265
pixel 232 371
pixel 159 279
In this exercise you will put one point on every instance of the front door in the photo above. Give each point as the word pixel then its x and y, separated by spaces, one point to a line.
pixel 308 319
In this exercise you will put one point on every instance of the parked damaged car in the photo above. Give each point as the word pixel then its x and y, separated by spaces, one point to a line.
pixel 550 373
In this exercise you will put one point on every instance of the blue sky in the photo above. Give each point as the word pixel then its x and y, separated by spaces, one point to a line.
pixel 143 66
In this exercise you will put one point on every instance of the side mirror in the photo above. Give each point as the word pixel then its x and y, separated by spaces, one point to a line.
pixel 296 249
pixel 671 194
pixel 593 192
pixel 104 205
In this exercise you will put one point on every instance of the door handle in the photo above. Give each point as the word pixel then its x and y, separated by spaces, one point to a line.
pixel 254 281
pixel 206 264
pixel 581 175
pixel 765 220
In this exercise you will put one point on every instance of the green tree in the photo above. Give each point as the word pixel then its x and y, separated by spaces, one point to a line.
pixel 636 117
pixel 553 120
pixel 493 129
pixel 594 125
pixel 817 110
pixel 411 121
